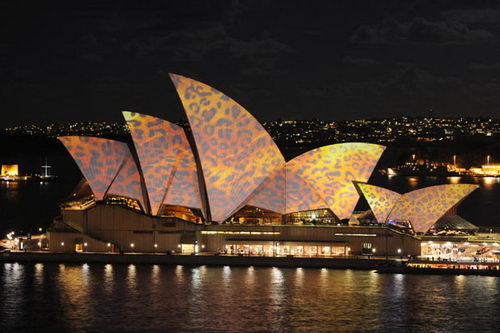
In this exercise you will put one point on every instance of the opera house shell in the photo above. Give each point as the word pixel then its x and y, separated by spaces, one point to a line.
pixel 222 184
pixel 421 208
pixel 239 163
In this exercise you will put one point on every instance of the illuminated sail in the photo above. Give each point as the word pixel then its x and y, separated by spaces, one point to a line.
pixel 381 200
pixel 425 206
pixel 166 160
pixel 236 153
pixel 331 170
pixel 98 159
pixel 128 181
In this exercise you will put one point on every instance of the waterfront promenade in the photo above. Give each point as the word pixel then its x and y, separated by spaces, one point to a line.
pixel 213 260
pixel 381 264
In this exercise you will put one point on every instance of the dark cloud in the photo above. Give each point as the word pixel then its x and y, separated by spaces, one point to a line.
pixel 485 67
pixel 331 60
pixel 420 30
pixel 360 61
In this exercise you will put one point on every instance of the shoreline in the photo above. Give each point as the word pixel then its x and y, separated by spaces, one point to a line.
pixel 197 260
pixel 380 265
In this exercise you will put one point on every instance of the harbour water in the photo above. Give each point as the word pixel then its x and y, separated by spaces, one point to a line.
pixel 151 298
pixel 129 298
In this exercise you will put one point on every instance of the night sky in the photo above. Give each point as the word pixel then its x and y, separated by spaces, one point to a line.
pixel 332 60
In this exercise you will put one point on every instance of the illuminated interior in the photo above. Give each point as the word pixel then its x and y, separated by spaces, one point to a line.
pixel 295 248
pixel 255 215
pixel 181 212
pixel 317 216
pixel 123 201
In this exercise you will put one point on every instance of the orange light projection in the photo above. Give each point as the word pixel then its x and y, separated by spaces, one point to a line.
pixel 271 194
pixel 98 159
pixel 300 196
pixel 236 153
pixel 167 161
pixel 330 170
pixel 381 200
pixel 128 181
pixel 425 206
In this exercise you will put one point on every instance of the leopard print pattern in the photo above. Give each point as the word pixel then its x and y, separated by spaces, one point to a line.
pixel 331 170
pixel 236 153
pixel 380 200
pixel 98 159
pixel 271 194
pixel 300 196
pixel 425 206
pixel 166 160
pixel 128 181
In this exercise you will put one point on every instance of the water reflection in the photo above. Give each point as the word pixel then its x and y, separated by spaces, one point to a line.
pixel 413 182
pixel 164 298
pixel 226 275
pixel 489 181
pixel 323 281
pixel 197 275
pixel 39 273
pixel 179 273
pixel 131 277
pixel 250 277
pixel 155 276
pixel 108 278
pixel 299 277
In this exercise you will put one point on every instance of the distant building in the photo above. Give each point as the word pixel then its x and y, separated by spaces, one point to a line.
pixel 11 170
pixel 492 169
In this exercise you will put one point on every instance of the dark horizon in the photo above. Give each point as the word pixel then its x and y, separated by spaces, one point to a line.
pixel 87 61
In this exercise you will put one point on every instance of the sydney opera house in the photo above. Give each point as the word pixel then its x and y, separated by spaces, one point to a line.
pixel 222 185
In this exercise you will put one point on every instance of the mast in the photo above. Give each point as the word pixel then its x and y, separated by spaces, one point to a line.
pixel 46 168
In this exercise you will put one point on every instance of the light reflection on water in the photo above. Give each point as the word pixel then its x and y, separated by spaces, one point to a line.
pixel 94 297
